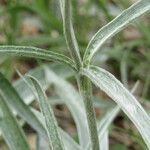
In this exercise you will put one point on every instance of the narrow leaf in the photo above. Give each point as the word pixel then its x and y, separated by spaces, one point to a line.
pixel 104 142
pixel 21 87
pixel 41 143
pixel 39 73
pixel 127 102
pixel 73 101
pixel 116 25
pixel 51 124
pixel 107 119
pixel 14 101
pixel 11 131
pixel 69 31
pixel 69 143
pixel 32 52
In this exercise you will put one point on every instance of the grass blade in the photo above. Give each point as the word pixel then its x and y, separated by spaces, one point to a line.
pixel 69 31
pixel 32 52
pixel 14 101
pixel 127 102
pixel 73 101
pixel 11 131
pixel 51 124
pixel 116 25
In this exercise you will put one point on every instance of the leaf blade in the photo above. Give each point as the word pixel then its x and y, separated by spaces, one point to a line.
pixel 113 87
pixel 10 128
pixel 73 47
pixel 116 25
pixel 73 101
pixel 104 142
pixel 51 124
pixel 69 143
pixel 39 73
pixel 16 103
pixel 32 52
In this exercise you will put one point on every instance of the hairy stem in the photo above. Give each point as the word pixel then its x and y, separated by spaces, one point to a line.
pixel 86 92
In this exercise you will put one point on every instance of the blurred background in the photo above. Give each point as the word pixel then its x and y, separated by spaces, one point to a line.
pixel 127 55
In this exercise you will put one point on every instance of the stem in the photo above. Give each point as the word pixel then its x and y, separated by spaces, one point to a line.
pixel 86 92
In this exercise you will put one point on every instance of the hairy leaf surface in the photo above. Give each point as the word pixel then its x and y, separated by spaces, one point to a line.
pixel 116 25
pixel 127 102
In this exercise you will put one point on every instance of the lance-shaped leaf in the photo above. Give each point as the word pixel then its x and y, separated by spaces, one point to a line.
pixel 39 73
pixel 73 101
pixel 25 112
pixel 106 120
pixel 116 25
pixel 32 52
pixel 65 6
pixel 104 142
pixel 11 131
pixel 69 143
pixel 51 123
pixel 27 96
pixel 16 103
pixel 127 102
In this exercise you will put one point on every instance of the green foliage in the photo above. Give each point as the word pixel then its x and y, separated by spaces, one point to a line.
pixel 51 124
pixel 116 25
pixel 92 134
pixel 10 128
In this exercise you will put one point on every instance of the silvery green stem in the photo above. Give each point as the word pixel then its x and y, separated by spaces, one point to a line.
pixel 86 92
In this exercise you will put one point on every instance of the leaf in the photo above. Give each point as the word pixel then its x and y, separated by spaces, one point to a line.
pixel 13 134
pixel 32 52
pixel 41 143
pixel 39 73
pixel 116 25
pixel 73 101
pixel 14 101
pixel 107 119
pixel 127 102
pixel 25 92
pixel 65 6
pixel 51 124
pixel 104 142
pixel 69 143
